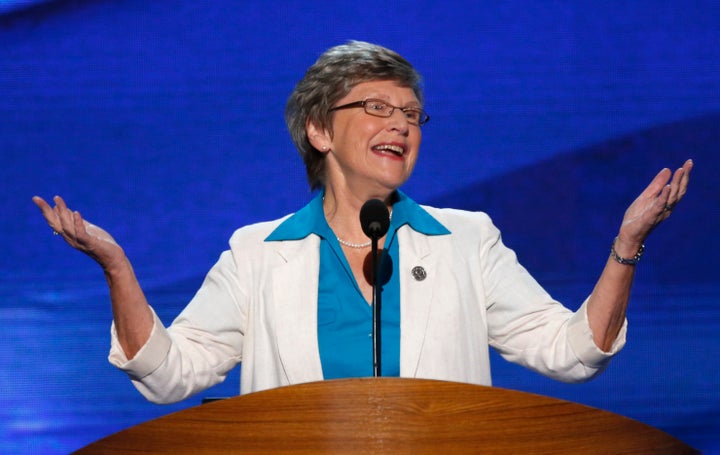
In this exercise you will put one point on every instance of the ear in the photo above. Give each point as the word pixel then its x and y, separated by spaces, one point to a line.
pixel 318 137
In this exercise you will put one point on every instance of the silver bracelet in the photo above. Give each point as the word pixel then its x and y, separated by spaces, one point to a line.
pixel 632 261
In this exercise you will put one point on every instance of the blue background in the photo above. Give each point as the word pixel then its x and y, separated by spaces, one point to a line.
pixel 163 122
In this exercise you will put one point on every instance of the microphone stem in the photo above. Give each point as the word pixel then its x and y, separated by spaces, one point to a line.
pixel 376 303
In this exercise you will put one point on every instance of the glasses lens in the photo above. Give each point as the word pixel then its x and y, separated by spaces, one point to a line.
pixel 379 108
pixel 413 115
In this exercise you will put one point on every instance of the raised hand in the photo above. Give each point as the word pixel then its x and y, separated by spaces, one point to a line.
pixel 655 204
pixel 131 313
pixel 608 302
pixel 79 233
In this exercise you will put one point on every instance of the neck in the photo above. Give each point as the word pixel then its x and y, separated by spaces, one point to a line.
pixel 342 212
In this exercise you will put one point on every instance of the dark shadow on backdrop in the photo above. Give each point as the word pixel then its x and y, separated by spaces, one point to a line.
pixel 579 199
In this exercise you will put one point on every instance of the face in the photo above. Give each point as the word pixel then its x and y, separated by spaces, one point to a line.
pixel 370 154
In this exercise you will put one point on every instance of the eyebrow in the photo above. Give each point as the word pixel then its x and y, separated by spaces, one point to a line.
pixel 385 98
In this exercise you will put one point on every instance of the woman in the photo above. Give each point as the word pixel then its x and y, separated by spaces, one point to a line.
pixel 289 299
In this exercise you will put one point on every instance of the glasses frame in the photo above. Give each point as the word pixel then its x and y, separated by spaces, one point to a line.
pixel 424 117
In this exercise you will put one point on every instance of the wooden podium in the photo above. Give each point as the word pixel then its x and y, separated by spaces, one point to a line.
pixel 390 416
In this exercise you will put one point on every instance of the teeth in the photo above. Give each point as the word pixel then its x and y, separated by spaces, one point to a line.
pixel 391 148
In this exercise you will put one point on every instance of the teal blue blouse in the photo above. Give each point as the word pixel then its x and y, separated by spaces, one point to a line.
pixel 344 317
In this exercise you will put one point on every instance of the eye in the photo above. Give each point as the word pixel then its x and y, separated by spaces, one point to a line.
pixel 412 114
pixel 376 105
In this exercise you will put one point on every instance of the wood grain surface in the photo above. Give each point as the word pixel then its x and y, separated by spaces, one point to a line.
pixel 393 416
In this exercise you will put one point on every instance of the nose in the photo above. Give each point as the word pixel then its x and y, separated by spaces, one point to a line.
pixel 398 121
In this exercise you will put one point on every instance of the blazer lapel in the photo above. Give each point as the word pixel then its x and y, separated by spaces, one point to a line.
pixel 418 275
pixel 295 291
pixel 295 303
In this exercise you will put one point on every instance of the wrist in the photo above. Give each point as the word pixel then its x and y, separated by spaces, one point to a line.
pixel 116 267
pixel 625 254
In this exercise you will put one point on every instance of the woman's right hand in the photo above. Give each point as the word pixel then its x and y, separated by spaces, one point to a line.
pixel 131 313
pixel 80 234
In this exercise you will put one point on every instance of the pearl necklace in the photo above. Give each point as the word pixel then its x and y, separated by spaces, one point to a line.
pixel 354 245
pixel 357 245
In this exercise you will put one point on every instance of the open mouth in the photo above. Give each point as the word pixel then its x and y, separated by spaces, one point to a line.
pixel 397 150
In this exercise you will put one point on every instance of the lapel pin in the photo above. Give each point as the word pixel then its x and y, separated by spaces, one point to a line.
pixel 419 273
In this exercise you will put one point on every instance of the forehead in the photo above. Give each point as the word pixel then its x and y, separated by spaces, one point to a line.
pixel 390 91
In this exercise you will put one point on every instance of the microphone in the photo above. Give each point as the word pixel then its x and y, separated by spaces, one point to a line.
pixel 375 222
pixel 374 218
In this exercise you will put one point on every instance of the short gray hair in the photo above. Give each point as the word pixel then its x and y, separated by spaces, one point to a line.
pixel 328 80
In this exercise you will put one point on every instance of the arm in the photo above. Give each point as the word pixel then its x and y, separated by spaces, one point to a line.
pixel 132 315
pixel 608 302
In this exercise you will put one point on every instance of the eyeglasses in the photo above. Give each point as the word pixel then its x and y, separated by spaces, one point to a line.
pixel 380 108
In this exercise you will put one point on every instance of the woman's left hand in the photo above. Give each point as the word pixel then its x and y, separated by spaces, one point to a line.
pixel 655 204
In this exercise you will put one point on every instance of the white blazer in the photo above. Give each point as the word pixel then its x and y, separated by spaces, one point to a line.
pixel 258 306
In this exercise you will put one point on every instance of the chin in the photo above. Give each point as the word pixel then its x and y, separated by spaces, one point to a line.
pixel 393 184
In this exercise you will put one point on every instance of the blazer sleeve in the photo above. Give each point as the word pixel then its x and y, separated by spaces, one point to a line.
pixel 200 347
pixel 527 326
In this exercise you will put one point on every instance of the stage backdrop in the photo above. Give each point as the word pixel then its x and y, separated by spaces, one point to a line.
pixel 163 122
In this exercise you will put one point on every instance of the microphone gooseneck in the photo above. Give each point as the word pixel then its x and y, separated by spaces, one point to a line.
pixel 375 222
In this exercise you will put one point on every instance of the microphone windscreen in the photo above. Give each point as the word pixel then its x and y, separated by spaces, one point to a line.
pixel 374 218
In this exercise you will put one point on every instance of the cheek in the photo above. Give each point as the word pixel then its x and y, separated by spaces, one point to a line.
pixel 364 135
pixel 411 163
pixel 416 140
pixel 359 134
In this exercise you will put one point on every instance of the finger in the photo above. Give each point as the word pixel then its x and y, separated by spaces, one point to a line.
pixel 61 211
pixel 44 207
pixel 60 203
pixel 685 178
pixel 662 202
pixel 679 183
pixel 40 203
pixel 65 215
pixel 50 215
pixel 688 164
pixel 657 184
pixel 675 186
pixel 81 233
